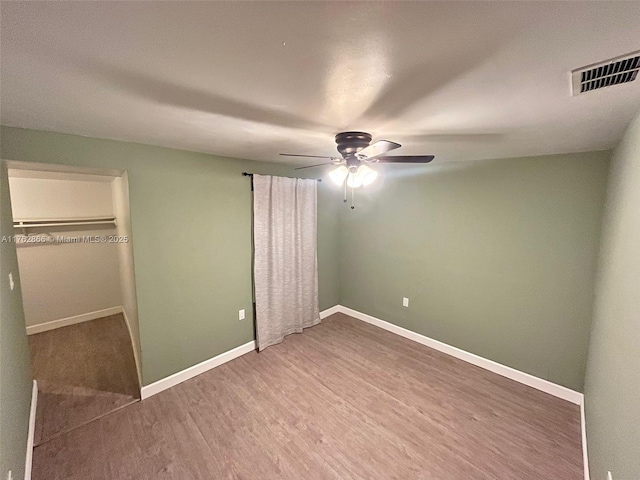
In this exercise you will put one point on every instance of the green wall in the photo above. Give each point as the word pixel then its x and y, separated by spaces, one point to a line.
pixel 191 228
pixel 497 257
pixel 612 389
pixel 15 372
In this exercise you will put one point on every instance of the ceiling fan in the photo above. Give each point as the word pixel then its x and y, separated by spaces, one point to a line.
pixel 357 152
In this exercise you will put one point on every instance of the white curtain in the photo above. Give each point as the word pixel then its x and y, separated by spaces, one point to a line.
pixel 285 262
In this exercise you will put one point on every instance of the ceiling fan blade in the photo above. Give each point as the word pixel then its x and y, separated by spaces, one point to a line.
pixel 308 156
pixel 378 148
pixel 311 166
pixel 405 159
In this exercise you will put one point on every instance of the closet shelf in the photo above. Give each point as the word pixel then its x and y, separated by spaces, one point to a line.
pixel 63 222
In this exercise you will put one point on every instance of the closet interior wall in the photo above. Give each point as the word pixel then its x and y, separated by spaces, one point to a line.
pixel 72 273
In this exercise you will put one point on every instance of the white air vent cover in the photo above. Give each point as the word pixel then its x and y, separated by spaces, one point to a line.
pixel 605 74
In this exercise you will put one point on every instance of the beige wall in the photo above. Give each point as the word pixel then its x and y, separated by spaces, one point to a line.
pixel 61 280
pixel 58 197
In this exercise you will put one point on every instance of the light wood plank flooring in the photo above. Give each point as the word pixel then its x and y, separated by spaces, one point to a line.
pixel 343 400
pixel 84 371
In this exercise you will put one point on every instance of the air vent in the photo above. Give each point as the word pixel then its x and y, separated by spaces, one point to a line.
pixel 605 74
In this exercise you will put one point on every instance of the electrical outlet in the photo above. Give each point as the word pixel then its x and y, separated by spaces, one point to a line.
pixel 9 475
pixel 241 314
pixel 11 284
pixel 609 476
pixel 405 302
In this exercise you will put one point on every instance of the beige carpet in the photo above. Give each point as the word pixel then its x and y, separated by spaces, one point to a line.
pixel 84 371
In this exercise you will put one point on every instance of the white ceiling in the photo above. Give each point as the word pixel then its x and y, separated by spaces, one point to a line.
pixel 460 80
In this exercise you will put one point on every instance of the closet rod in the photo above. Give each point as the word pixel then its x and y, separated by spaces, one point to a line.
pixel 245 174
pixel 63 223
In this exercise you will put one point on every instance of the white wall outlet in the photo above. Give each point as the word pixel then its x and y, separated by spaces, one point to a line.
pixel 609 476
pixel 9 475
pixel 241 314
pixel 11 284
pixel 405 302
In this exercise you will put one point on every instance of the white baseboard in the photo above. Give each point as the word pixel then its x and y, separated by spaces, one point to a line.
pixel 32 431
pixel 179 377
pixel 583 428
pixel 330 311
pixel 65 322
pixel 525 378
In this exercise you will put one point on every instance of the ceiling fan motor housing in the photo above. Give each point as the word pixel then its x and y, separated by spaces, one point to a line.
pixel 355 149
pixel 350 143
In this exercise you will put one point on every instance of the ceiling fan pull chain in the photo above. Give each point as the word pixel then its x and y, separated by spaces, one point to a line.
pixel 345 191
pixel 353 194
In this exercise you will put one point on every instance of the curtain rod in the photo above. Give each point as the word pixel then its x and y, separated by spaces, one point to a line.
pixel 245 174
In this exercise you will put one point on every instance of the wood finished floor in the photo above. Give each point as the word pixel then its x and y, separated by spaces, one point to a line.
pixel 84 371
pixel 343 400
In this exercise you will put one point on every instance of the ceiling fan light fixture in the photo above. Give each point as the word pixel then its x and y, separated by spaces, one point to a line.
pixel 367 174
pixel 354 180
pixel 338 175
pixel 361 177
pixel 356 149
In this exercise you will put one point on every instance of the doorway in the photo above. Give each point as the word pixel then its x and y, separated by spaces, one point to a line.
pixel 75 257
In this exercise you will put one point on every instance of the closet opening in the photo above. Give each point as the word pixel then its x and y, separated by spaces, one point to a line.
pixel 75 257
